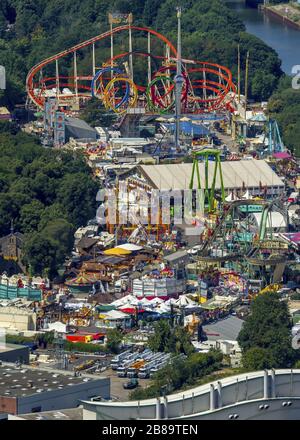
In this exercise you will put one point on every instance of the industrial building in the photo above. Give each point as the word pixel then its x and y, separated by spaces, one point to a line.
pixel 63 414
pixel 15 318
pixel 14 353
pixel 31 390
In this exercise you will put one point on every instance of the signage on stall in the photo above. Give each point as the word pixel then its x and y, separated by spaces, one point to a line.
pixel 272 244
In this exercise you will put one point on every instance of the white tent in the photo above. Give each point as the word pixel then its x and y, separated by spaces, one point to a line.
pixel 230 198
pixel 129 300
pixel 162 309
pixel 192 306
pixel 170 301
pixel 56 326
pixel 113 315
pixel 184 301
pixel 130 247
pixel 247 195
pixel 145 302
pixel 275 220
pixel 156 301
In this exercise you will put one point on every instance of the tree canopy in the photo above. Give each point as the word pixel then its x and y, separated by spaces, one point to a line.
pixel 284 106
pixel 265 338
pixel 114 339
pixel 170 339
pixel 48 194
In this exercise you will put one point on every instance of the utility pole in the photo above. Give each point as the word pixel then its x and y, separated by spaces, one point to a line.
pixel 110 18
pixel 239 74
pixel 246 82
pixel 130 20
pixel 178 80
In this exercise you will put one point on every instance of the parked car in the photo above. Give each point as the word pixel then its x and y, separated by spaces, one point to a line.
pixel 131 384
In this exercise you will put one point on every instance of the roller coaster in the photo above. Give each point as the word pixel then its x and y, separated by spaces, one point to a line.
pixel 244 245
pixel 141 78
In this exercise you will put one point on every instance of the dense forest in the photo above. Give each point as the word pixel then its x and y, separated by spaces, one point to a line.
pixel 31 30
pixel 47 193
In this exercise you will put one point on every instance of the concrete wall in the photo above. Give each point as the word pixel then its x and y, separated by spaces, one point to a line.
pixel 14 318
pixel 210 401
pixel 269 409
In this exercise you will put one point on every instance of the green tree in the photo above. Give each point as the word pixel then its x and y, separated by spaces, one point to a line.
pixel 161 337
pixel 31 215
pixel 173 340
pixel 268 328
pixel 114 339
pixel 61 234
pixel 77 193
pixel 257 358
pixel 40 253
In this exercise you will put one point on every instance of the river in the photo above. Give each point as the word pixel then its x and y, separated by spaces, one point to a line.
pixel 281 37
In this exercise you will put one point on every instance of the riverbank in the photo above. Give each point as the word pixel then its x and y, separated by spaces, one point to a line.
pixel 289 14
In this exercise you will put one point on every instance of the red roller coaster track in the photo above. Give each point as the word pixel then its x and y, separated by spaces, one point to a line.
pixel 208 86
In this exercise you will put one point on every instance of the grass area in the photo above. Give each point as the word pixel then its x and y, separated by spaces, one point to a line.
pixel 216 375
pixel 289 10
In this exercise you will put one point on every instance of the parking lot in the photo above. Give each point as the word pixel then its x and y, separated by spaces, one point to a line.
pixel 116 383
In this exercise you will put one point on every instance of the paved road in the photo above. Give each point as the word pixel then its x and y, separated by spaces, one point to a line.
pixel 116 385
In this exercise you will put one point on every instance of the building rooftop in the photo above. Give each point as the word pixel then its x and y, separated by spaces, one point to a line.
pixel 26 381
pixel 176 256
pixel 10 347
pixel 63 414
pixel 243 173
pixel 227 328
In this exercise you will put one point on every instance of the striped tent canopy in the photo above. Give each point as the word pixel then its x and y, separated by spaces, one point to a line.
pixel 82 280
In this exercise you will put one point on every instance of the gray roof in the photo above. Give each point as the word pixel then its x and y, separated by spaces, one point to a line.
pixel 11 347
pixel 227 328
pixel 25 381
pixel 79 129
pixel 176 256
pixel 236 174
pixel 62 414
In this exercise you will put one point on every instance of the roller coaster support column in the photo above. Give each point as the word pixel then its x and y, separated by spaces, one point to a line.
pixel 75 73
pixel 111 46
pixel 149 59
pixel 130 47
pixel 57 79
pixel 179 80
pixel 246 83
pixel 94 60
pixel 209 193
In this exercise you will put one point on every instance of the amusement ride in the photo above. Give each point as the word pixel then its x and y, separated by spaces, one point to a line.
pixel 143 77
pixel 153 79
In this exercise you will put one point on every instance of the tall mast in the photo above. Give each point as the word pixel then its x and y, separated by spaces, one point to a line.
pixel 178 79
